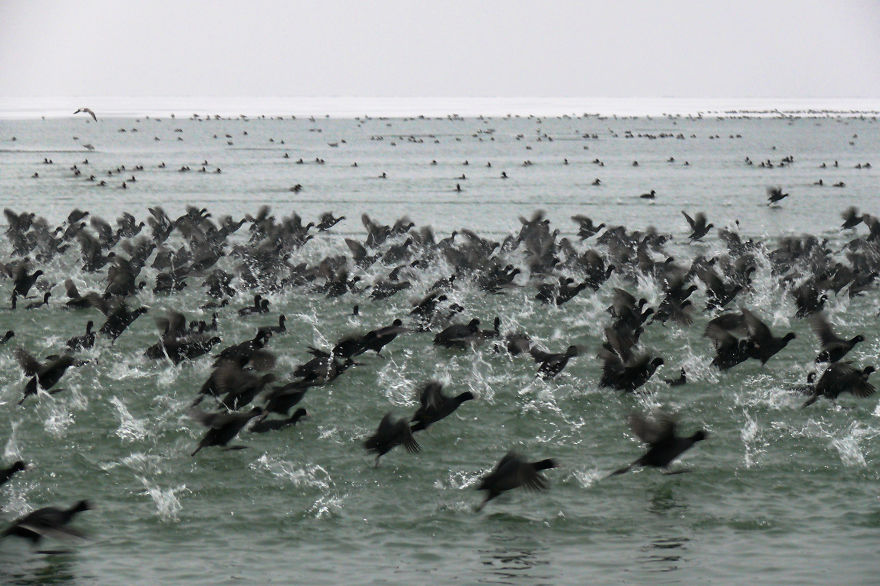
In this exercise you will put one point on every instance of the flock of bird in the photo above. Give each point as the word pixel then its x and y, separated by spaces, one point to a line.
pixel 262 256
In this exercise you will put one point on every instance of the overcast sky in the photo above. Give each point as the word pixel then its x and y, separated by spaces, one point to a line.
pixel 676 48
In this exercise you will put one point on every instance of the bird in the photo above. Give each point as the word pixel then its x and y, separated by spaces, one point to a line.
pixel 699 227
pixel 513 471
pixel 87 111
pixel 391 432
pixel 834 347
pixel 222 427
pixel 663 445
pixel 47 522
pixel 766 344
pixel 842 377
pixel 434 405
pixel 459 335
pixel 6 473
pixel 774 194
pixel 552 363
pixel 46 375
pixel 85 341
pixel 265 425
pixel 38 304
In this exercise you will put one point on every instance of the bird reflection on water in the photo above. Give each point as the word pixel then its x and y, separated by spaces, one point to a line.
pixel 515 558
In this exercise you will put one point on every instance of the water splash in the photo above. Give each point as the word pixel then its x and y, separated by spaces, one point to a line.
pixel 130 429
pixel 310 475
pixel 168 505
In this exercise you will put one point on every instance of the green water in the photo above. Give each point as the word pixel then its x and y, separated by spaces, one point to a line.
pixel 775 495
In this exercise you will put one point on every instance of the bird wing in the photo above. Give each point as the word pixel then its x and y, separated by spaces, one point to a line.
pixel 431 396
pixel 655 430
pixel 758 330
pixel 822 329
pixel 689 219
pixel 71 289
pixel 28 363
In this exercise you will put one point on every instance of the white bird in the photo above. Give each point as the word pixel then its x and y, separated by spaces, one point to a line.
pixel 87 111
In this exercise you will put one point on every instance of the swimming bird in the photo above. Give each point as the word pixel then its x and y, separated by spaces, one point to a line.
pixel 651 195
pixel 842 377
pixel 434 405
pixel 459 335
pixel 87 111
pixel 663 445
pixel 47 522
pixel 6 473
pixel 222 427
pixel 265 425
pixel 391 432
pixel 40 304
pixel 833 346
pixel 514 471
pixel 83 342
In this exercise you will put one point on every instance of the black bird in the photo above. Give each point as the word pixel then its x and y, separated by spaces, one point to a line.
pixel 842 377
pixel 586 228
pixel 552 363
pixel 282 398
pixel 222 426
pixel 774 194
pixel 46 375
pixel 663 445
pixel 851 218
pixel 766 344
pixel 629 374
pixel 377 339
pixel 434 405
pixel 47 522
pixel 513 471
pixel 119 320
pixel 40 304
pixel 459 335
pixel 85 341
pixel 265 425
pixel 6 473
pixel 279 329
pixel 729 350
pixel 391 432
pixel 833 346
pixel 23 281
pixel 699 227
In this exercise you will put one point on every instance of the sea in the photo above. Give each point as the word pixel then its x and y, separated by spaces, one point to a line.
pixel 777 494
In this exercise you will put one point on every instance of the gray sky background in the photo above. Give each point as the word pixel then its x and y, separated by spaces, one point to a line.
pixel 677 48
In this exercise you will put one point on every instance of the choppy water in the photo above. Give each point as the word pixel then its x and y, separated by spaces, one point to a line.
pixel 776 495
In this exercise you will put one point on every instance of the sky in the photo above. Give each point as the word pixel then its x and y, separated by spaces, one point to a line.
pixel 488 48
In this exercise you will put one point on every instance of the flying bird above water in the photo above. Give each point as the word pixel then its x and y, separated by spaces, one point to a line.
pixel 87 111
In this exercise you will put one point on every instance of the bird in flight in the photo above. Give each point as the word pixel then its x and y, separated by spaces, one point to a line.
pixel 87 111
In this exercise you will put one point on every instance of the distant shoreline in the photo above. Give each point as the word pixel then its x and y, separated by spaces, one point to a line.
pixel 354 107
